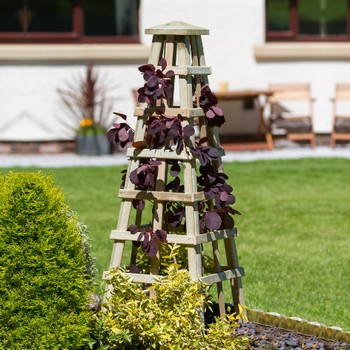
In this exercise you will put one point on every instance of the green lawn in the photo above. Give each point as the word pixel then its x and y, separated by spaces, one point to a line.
pixel 294 240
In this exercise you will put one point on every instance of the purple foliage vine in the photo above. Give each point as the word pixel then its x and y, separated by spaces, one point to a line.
pixel 216 212
pixel 158 84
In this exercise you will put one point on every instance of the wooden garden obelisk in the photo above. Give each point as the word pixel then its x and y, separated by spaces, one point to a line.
pixel 181 45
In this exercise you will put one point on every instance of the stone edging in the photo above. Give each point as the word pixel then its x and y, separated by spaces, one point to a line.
pixel 297 324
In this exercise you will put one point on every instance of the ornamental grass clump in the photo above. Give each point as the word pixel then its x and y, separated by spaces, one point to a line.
pixel 45 267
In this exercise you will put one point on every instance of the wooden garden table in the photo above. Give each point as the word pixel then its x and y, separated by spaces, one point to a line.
pixel 261 99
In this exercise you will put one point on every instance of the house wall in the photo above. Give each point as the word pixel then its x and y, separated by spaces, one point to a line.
pixel 30 108
pixel 237 30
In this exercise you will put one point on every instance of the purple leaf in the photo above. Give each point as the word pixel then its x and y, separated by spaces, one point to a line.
pixel 152 248
pixel 147 67
pixel 173 185
pixel 161 235
pixel 218 111
pixel 155 163
pixel 131 135
pixel 224 196
pixel 133 269
pixel 138 204
pixel 230 200
pixel 201 225
pixel 175 169
pixel 111 134
pixel 213 220
pixel 168 90
pixel 202 140
pixel 123 135
pixel 142 168
pixel 152 81
pixel 133 228
pixel 163 63
pixel 188 130
pixel 133 177
pixel 169 74
pixel 213 152
pixel 210 113
pixel 228 221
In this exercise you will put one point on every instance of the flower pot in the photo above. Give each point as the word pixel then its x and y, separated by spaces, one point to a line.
pixel 93 145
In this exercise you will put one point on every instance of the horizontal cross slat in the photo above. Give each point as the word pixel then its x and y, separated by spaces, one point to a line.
pixel 179 239
pixel 163 154
pixel 159 154
pixel 223 276
pixel 199 70
pixel 209 279
pixel 140 111
pixel 162 196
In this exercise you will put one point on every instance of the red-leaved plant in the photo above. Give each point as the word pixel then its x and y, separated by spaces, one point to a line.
pixel 166 131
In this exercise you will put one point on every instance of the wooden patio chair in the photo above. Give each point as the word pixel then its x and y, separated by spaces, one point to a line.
pixel 341 121
pixel 291 112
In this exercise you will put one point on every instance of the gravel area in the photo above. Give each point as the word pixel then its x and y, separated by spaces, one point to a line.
pixel 263 337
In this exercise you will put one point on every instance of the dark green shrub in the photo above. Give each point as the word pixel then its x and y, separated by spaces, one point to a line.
pixel 45 268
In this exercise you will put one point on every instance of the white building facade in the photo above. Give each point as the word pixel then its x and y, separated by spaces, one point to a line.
pixel 236 49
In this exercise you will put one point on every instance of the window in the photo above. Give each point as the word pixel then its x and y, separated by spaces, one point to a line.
pixel 307 20
pixel 76 21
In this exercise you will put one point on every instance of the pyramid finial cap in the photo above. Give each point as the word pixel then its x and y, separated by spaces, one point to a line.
pixel 177 28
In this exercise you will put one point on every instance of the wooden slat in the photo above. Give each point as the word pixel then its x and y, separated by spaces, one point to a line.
pixel 158 211
pixel 300 136
pixel 162 196
pixel 236 283
pixel 191 70
pixel 137 277
pixel 179 239
pixel 341 136
pixel 189 112
pixel 123 220
pixel 177 28
pixel 223 276
pixel 140 128
pixel 158 153
pixel 209 279
pixel 219 285
pixel 163 154
pixel 216 235
pixel 156 49
pixel 284 92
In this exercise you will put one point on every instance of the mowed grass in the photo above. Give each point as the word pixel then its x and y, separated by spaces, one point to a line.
pixel 294 231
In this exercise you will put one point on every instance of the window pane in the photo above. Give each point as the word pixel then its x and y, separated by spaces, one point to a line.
pixel 323 17
pixel 335 16
pixel 10 16
pixel 36 16
pixel 310 15
pixel 278 15
pixel 50 16
pixel 110 17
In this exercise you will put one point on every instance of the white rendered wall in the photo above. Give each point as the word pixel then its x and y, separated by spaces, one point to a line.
pixel 236 26
pixel 31 109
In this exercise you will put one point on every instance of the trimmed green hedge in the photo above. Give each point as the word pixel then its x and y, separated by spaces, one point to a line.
pixel 45 268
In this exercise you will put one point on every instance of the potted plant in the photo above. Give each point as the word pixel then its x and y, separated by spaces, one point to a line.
pixel 89 104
